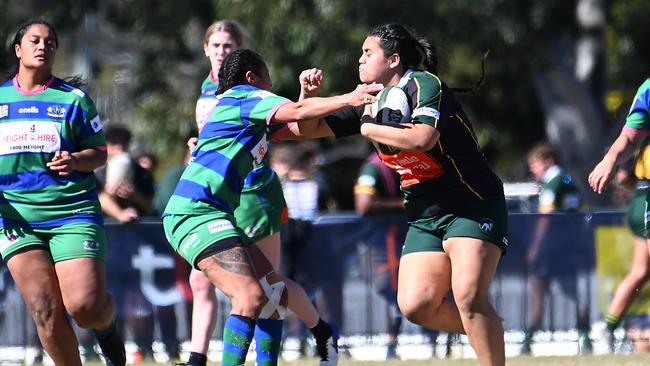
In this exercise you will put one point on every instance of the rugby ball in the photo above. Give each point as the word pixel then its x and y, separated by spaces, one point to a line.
pixel 391 107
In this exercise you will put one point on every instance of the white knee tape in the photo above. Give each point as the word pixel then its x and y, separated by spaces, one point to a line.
pixel 273 291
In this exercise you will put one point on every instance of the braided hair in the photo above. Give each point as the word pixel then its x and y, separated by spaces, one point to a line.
pixel 415 52
pixel 236 64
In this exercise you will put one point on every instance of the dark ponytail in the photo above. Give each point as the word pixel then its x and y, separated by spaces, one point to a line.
pixel 235 65
pixel 415 52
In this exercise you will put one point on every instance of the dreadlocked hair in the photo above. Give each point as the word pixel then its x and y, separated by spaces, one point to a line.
pixel 235 65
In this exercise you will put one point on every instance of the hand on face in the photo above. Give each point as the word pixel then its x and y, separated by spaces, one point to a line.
pixel 364 94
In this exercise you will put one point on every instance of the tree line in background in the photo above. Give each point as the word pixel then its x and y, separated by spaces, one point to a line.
pixel 560 70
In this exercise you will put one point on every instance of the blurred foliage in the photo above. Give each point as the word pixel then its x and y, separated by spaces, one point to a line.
pixel 166 64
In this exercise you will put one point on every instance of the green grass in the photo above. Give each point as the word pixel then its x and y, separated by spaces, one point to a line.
pixel 609 360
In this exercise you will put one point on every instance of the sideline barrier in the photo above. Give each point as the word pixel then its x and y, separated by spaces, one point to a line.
pixel 144 275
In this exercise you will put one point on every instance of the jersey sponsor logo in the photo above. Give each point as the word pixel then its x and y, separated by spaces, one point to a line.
pixel 96 124
pixel 219 226
pixel 19 137
pixel 4 110
pixel 426 111
pixel 56 111
pixel 191 241
pixel 486 225
pixel 413 167
pixel 28 110
pixel 8 239
pixel 90 245
pixel 259 151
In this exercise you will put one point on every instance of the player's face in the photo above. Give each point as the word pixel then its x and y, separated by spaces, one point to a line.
pixel 538 168
pixel 373 65
pixel 219 45
pixel 37 48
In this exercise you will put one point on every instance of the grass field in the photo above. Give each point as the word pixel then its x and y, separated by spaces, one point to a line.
pixel 609 360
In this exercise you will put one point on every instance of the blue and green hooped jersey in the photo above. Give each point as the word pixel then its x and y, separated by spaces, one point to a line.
pixel 33 126
pixel 261 174
pixel 233 142
pixel 638 119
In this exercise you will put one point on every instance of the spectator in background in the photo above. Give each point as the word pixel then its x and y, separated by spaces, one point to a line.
pixel 126 190
pixel 148 162
pixel 558 194
pixel 304 188
pixel 377 192
pixel 307 196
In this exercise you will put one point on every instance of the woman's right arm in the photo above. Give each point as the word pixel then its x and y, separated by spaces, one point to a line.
pixel 620 152
pixel 315 108
pixel 310 82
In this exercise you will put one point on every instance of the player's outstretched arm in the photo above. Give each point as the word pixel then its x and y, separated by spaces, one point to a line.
pixel 620 152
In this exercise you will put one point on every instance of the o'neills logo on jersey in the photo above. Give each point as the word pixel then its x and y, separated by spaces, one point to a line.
pixel 26 110
pixel 4 110
pixel 56 111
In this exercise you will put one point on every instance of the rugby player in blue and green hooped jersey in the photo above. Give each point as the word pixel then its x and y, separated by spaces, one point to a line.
pixel 633 135
pixel 51 230
pixel 199 219
pixel 261 214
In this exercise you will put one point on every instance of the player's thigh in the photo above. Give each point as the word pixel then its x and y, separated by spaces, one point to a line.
pixel 473 264
pixel 78 251
pixel 34 275
pixel 270 247
pixel 423 281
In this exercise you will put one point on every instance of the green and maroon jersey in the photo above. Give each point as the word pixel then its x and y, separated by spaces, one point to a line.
pixel 450 177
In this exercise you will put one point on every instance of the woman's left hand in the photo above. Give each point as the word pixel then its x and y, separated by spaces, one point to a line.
pixel 63 162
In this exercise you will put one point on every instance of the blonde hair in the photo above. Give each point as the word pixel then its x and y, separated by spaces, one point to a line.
pixel 542 151
pixel 231 27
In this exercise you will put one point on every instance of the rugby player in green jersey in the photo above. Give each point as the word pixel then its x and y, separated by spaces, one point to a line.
pixel 51 229
pixel 199 219
pixel 455 202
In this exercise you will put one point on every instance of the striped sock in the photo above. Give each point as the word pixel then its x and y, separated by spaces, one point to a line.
pixel 268 337
pixel 237 336
pixel 612 321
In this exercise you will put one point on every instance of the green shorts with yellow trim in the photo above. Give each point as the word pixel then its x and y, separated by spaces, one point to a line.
pixel 262 212
pixel 190 235
pixel 636 212
pixel 71 241
pixel 488 221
